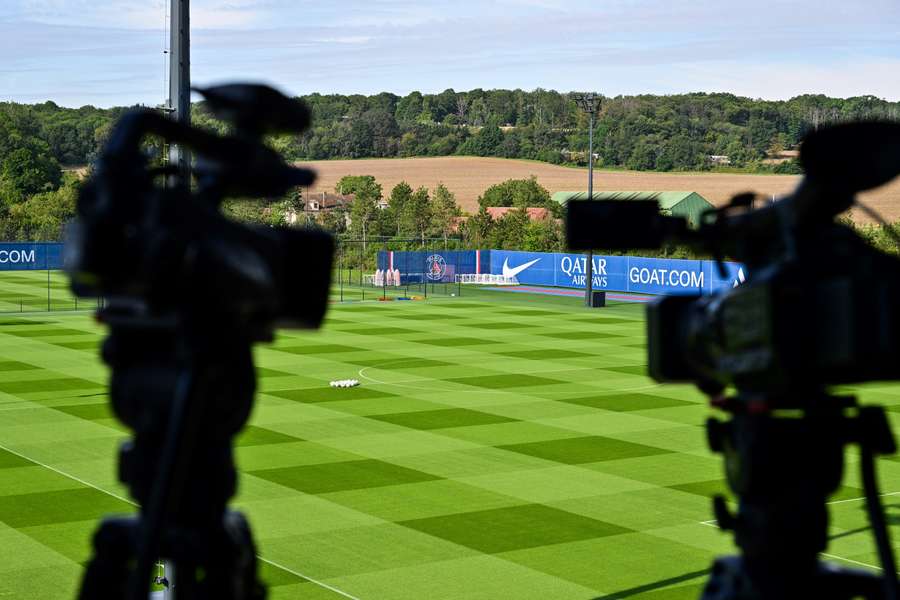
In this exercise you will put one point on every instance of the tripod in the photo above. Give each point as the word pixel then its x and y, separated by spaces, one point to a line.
pixel 191 290
pixel 783 467
pixel 185 387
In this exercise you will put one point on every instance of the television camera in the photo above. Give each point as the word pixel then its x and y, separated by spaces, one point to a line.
pixel 821 307
pixel 185 293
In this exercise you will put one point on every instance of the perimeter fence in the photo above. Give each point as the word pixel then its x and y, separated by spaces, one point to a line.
pixel 31 279
pixel 389 268
pixel 31 276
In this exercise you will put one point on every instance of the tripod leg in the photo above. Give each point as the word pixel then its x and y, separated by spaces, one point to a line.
pixel 106 576
pixel 218 563
pixel 729 580
pixel 233 562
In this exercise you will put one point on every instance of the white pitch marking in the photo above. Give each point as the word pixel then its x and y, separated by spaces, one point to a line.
pixel 862 498
pixel 825 554
pixel 68 475
pixel 714 523
pixel 421 380
pixel 308 578
pixel 126 500
pixel 850 560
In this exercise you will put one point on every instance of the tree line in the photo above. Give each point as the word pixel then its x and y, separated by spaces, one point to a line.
pixel 678 132
pixel 413 217
pixel 407 219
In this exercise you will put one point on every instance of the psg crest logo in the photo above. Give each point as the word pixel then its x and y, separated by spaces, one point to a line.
pixel 435 267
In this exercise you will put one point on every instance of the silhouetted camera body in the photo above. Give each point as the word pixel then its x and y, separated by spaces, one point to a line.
pixel 820 306
pixel 167 246
pixel 186 292
pixel 829 317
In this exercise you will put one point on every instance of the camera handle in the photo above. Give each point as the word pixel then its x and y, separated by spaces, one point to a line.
pixel 185 388
pixel 782 465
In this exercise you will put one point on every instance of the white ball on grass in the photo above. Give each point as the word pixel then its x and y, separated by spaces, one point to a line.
pixel 345 383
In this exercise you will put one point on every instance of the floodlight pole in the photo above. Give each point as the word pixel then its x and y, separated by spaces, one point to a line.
pixel 179 108
pixel 179 104
pixel 589 103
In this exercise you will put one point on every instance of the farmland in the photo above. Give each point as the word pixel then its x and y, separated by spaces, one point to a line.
pixel 468 177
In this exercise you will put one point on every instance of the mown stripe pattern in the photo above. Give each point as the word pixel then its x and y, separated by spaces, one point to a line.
pixel 500 446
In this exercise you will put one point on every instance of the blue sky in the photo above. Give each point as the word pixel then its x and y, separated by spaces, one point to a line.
pixel 110 52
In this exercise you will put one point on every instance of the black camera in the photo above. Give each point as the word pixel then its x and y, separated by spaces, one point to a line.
pixel 820 307
pixel 185 293
pixel 830 317
pixel 166 245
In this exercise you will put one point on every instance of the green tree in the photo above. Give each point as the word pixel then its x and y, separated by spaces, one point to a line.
pixel 477 229
pixel 508 232
pixel 416 217
pixel 364 209
pixel 374 133
pixel 334 220
pixel 408 108
pixel 31 169
pixel 43 216
pixel 397 202
pixel 274 214
pixel 292 205
pixel 543 236
pixel 353 184
pixel 520 193
pixel 487 142
pixel 444 211
pixel 247 210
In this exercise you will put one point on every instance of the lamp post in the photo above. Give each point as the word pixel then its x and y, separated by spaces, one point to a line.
pixel 180 80
pixel 589 103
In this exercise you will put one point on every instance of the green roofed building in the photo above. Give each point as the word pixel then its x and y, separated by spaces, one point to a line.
pixel 678 204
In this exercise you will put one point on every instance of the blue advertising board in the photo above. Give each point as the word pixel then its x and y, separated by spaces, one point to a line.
pixel 613 273
pixel 432 266
pixel 616 273
pixel 29 256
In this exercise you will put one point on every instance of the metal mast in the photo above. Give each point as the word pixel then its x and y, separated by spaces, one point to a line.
pixel 179 106
pixel 589 103
pixel 180 77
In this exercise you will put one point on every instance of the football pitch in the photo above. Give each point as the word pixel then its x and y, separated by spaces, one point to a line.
pixel 499 446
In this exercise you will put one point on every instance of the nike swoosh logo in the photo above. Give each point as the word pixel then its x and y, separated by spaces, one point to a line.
pixel 507 272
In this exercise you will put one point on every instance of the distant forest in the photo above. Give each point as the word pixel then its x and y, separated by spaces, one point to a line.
pixel 665 133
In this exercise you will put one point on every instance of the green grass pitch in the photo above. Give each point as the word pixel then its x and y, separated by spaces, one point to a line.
pixel 500 446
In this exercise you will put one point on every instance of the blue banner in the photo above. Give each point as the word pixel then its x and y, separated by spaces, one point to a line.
pixel 27 256
pixel 612 273
pixel 616 273
pixel 432 266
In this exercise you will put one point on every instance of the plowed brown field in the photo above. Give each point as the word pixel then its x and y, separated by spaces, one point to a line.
pixel 468 177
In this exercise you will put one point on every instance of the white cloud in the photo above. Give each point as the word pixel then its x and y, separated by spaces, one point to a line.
pixel 769 48
pixel 344 39
pixel 143 14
